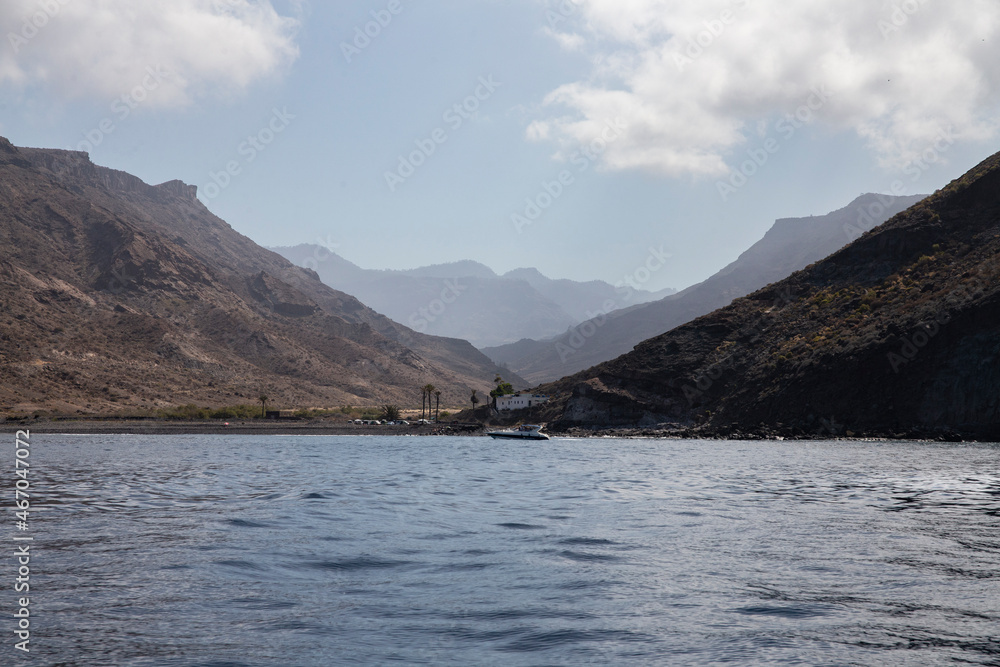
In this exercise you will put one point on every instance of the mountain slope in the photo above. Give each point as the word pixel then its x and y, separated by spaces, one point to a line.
pixel 789 245
pixel 898 333
pixel 463 299
pixel 119 294
pixel 580 300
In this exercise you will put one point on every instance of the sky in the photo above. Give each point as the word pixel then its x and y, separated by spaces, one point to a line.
pixel 585 138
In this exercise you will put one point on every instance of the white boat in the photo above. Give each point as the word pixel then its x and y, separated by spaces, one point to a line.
pixel 522 432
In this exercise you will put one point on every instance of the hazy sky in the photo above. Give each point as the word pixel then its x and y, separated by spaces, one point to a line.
pixel 569 136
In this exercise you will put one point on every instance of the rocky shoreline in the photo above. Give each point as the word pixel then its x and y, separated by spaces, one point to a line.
pixel 768 433
pixel 233 427
pixel 317 427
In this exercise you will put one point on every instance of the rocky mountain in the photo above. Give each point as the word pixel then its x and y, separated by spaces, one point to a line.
pixel 896 334
pixel 581 300
pixel 115 295
pixel 465 299
pixel 790 245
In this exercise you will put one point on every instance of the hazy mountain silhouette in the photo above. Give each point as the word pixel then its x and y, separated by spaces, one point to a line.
pixel 790 245
pixel 465 299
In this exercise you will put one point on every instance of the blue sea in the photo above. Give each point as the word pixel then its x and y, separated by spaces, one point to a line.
pixel 273 550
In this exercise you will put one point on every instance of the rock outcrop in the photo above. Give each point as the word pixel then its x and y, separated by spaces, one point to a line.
pixel 896 334
pixel 117 295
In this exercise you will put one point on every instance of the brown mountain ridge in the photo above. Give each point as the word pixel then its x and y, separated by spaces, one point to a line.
pixel 116 295
pixel 898 333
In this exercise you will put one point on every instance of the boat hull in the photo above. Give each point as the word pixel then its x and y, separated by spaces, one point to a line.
pixel 518 436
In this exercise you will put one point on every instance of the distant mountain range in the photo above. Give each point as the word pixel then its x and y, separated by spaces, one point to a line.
pixel 467 299
pixel 897 334
pixel 117 295
pixel 791 244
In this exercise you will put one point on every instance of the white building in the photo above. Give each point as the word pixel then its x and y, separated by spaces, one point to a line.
pixel 519 401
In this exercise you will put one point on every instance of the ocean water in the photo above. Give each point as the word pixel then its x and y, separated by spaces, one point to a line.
pixel 219 550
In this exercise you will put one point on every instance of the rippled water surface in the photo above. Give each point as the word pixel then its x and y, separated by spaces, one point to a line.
pixel 202 550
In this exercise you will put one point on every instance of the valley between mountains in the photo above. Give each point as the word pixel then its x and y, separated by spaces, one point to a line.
pixel 879 318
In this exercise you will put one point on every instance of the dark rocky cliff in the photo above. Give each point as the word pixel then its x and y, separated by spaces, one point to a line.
pixel 896 334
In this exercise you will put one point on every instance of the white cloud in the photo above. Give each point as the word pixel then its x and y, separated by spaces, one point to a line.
pixel 695 80
pixel 568 41
pixel 104 48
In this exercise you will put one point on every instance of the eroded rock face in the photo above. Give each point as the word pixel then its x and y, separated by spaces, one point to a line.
pixel 179 189
pixel 116 295
pixel 280 297
pixel 899 332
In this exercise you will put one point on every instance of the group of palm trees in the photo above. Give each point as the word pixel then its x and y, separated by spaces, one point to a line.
pixel 427 391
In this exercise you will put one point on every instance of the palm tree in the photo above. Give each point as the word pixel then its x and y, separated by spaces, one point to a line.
pixel 263 405
pixel 475 401
pixel 437 404
pixel 428 391
pixel 423 397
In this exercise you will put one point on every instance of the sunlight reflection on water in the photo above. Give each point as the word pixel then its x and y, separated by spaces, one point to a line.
pixel 326 550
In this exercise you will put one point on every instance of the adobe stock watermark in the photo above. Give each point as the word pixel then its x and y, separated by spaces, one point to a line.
pixel 322 251
pixel 927 330
pixel 32 25
pixel 363 35
pixel 930 155
pixel 708 376
pixel 787 127
pixel 626 288
pixel 21 549
pixel 121 280
pixel 249 150
pixel 633 282
pixel 552 190
pixel 451 291
pixel 122 108
pixel 829 427
pixel 697 45
pixel 899 17
pixel 562 12
pixel 455 116
pixel 915 168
